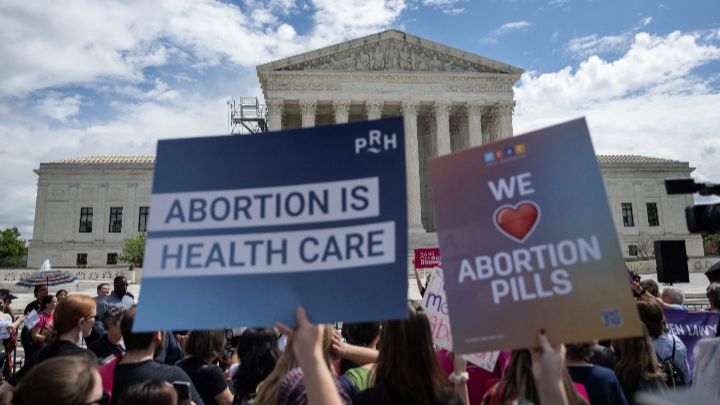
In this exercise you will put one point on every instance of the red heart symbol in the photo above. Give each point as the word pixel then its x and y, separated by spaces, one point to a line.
pixel 519 221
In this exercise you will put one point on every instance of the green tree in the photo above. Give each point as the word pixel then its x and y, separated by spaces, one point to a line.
pixel 133 251
pixel 12 247
pixel 711 244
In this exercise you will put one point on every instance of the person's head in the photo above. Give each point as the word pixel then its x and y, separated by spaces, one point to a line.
pixel 6 296
pixel 206 344
pixel 651 314
pixel 579 351
pixel 120 285
pixel 138 341
pixel 713 296
pixel 150 392
pixel 267 390
pixel 48 303
pixel 68 380
pixel 75 313
pixel 40 292
pixel 407 370
pixel 364 334
pixel 636 360
pixel 672 295
pixel 257 350
pixel 111 320
pixel 103 290
pixel 520 383
pixel 61 295
pixel 651 287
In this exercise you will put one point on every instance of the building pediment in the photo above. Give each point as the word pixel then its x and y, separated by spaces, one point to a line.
pixel 390 51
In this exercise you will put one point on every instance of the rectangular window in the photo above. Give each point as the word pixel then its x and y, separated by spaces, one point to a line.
pixel 632 250
pixel 81 259
pixel 112 258
pixel 86 214
pixel 627 214
pixel 115 220
pixel 142 220
pixel 652 211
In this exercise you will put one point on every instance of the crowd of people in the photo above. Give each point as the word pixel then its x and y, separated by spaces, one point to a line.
pixel 82 350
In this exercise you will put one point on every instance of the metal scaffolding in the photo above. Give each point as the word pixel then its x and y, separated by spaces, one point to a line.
pixel 246 116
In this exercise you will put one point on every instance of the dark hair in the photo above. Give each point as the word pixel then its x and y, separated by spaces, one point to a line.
pixel 37 289
pixel 112 315
pixel 134 340
pixel 61 291
pixel 519 382
pixel 713 296
pixel 359 334
pixel 118 278
pixel 407 370
pixel 651 313
pixel 66 380
pixel 206 343
pixel 150 392
pixel 579 351
pixel 651 286
pixel 68 313
pixel 46 301
pixel 636 361
pixel 258 352
pixel 100 286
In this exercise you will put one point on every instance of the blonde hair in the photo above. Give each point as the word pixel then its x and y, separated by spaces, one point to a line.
pixel 67 314
pixel 267 390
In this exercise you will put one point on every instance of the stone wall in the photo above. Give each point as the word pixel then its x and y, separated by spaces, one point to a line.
pixel 695 264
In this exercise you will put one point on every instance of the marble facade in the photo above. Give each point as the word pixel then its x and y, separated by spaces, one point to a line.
pixel 450 100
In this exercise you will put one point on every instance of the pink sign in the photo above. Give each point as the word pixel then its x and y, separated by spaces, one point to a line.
pixel 427 258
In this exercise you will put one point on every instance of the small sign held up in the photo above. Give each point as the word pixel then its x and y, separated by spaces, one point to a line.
pixel 427 258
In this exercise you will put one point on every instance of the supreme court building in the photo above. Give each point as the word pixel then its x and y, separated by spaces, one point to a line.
pixel 450 100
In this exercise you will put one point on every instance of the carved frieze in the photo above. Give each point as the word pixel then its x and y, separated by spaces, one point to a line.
pixel 391 55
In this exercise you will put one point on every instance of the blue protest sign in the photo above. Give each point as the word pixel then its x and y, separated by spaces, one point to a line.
pixel 243 229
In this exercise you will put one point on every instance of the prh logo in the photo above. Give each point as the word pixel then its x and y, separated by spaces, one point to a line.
pixel 375 142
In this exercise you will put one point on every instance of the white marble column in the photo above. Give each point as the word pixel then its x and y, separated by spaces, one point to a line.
pixel 342 111
pixel 307 109
pixel 441 109
pixel 490 128
pixel 505 114
pixel 274 113
pixel 475 133
pixel 412 162
pixel 374 109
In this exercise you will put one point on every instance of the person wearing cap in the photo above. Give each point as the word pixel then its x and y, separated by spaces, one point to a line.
pixel 8 344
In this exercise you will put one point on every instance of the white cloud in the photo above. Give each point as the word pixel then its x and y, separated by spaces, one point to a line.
pixel 60 107
pixel 648 101
pixel 646 21
pixel 593 44
pixel 445 6
pixel 492 37
pixel 53 44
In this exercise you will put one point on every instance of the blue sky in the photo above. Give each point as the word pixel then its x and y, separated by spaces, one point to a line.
pixel 108 77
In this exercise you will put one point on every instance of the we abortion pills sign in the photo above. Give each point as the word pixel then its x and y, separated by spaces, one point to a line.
pixel 243 229
pixel 528 243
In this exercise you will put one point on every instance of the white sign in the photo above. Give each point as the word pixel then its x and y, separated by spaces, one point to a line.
pixel 32 319
pixel 435 304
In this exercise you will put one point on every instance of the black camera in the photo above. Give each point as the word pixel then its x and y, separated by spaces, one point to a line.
pixel 699 218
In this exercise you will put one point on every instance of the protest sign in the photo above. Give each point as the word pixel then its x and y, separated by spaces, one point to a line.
pixel 427 258
pixel 243 229
pixel 435 305
pixel 4 333
pixel 690 327
pixel 32 319
pixel 528 243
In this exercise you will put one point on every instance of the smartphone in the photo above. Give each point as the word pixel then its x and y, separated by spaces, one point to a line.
pixel 183 391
